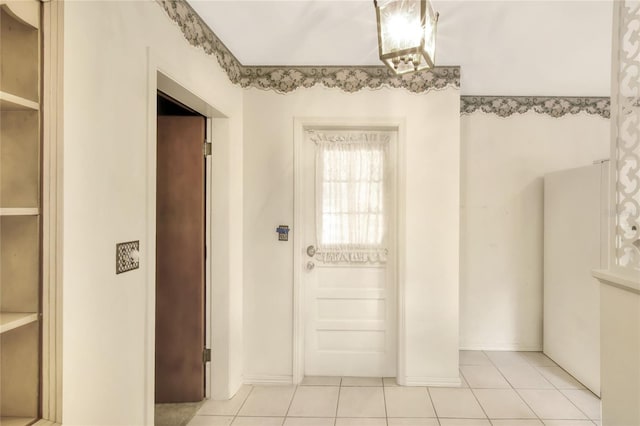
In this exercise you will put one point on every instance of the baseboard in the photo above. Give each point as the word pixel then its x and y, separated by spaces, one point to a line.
pixel 267 380
pixel 433 381
pixel 501 347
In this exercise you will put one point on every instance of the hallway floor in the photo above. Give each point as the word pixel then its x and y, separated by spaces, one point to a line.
pixel 498 389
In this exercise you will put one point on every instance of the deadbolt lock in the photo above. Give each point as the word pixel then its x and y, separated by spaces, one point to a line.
pixel 311 251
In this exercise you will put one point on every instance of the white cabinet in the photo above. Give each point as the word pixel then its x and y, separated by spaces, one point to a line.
pixel 575 236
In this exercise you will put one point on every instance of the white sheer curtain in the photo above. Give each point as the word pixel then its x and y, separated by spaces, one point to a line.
pixel 351 218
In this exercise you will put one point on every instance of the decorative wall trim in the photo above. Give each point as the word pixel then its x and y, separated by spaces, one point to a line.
pixel 198 34
pixel 347 78
pixel 284 79
pixel 505 106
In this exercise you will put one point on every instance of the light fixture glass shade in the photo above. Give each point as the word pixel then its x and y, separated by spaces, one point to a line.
pixel 406 34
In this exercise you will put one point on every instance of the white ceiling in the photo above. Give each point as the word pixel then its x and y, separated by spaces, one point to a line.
pixel 536 48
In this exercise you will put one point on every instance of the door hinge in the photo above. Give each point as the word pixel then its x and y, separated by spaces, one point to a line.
pixel 206 149
pixel 206 355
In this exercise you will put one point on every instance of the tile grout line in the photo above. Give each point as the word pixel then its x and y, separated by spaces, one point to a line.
pixel 242 405
pixel 434 405
pixel 556 387
pixel 562 393
pixel 537 367
pixel 384 401
pixel 576 405
pixel 514 389
pixel 474 394
pixel 480 405
pixel 335 419
pixel 537 370
pixel 284 419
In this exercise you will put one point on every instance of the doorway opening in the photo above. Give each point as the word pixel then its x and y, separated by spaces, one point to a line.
pixel 221 376
pixel 181 228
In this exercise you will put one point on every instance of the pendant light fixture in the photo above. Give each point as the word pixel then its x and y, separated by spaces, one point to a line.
pixel 406 34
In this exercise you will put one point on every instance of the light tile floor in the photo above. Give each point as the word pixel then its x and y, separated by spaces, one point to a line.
pixel 498 389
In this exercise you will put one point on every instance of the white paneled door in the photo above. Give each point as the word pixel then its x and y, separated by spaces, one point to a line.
pixel 350 305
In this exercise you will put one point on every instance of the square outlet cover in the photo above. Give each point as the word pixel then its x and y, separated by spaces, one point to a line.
pixel 127 256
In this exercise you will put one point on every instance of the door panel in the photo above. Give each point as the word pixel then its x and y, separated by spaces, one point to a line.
pixel 350 308
pixel 180 230
pixel 337 277
pixel 572 200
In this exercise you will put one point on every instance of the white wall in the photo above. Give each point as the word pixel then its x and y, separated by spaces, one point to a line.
pixel 503 164
pixel 431 220
pixel 105 201
pixel 105 355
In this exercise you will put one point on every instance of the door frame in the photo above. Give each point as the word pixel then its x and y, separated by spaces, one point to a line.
pixel 301 124
pixel 160 79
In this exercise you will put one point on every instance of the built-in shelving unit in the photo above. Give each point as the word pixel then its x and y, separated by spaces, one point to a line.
pixel 20 212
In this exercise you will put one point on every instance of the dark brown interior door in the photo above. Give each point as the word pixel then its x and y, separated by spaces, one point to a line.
pixel 180 230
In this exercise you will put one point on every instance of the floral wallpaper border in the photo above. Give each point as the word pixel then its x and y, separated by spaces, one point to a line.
pixel 284 79
pixel 348 78
pixel 505 106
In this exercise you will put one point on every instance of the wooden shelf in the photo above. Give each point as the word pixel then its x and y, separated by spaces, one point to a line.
pixel 25 11
pixel 10 320
pixel 27 211
pixel 9 102
pixel 16 421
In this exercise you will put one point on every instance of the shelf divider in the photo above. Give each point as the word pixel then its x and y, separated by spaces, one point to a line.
pixel 12 320
pixel 19 211
pixel 26 11
pixel 16 421
pixel 9 102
